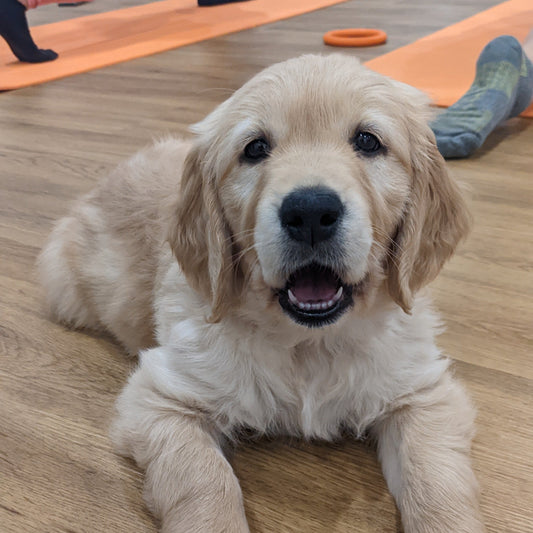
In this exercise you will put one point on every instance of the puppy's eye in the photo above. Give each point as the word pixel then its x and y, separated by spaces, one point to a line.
pixel 256 150
pixel 366 142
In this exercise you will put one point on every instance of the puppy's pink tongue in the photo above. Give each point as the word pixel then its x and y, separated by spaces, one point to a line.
pixel 313 287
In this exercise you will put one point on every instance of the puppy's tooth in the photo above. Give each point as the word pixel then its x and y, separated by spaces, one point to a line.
pixel 338 295
pixel 292 298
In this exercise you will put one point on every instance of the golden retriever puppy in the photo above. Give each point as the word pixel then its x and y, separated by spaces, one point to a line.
pixel 269 272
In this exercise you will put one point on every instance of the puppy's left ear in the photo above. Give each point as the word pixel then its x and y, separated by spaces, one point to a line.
pixel 435 220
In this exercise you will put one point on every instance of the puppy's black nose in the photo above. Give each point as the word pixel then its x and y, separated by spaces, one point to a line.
pixel 311 214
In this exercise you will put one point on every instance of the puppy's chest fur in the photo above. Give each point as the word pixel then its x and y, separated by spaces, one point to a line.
pixel 294 381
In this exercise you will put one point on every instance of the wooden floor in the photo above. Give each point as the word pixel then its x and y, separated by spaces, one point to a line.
pixel 57 387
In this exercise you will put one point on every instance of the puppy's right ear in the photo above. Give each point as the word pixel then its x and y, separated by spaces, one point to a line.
pixel 200 236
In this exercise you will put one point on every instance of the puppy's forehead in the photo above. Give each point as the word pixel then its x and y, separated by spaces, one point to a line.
pixel 314 93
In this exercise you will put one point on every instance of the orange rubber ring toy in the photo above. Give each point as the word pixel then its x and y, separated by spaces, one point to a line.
pixel 355 37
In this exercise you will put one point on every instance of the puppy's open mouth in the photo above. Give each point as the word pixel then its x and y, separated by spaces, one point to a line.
pixel 315 296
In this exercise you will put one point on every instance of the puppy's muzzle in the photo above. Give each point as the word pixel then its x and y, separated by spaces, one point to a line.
pixel 314 294
pixel 311 215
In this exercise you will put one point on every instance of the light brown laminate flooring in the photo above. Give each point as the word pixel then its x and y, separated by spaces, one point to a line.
pixel 58 472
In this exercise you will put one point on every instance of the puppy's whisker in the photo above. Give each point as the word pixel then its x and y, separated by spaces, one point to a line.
pixel 239 235
pixel 392 244
pixel 386 251
pixel 381 233
pixel 242 252
pixel 255 245
pixel 251 270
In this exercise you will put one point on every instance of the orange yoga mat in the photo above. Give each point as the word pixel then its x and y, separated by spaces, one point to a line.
pixel 443 64
pixel 96 41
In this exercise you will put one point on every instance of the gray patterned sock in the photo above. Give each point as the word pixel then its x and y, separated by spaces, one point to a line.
pixel 502 88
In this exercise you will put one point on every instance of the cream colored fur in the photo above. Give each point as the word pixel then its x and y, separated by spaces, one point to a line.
pixel 178 252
